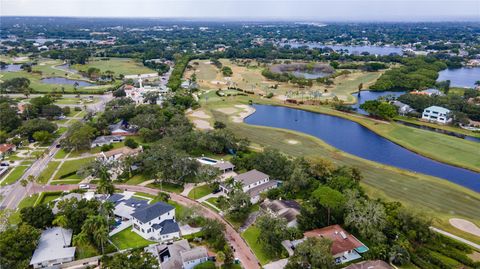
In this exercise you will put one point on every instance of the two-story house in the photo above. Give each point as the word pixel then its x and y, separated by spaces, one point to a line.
pixel 253 183
pixel 437 114
pixel 156 222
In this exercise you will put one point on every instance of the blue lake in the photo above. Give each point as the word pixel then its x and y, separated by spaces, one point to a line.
pixel 309 75
pixel 460 77
pixel 66 81
pixel 371 95
pixel 11 68
pixel 355 139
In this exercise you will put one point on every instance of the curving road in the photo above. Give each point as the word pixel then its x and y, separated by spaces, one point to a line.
pixel 241 250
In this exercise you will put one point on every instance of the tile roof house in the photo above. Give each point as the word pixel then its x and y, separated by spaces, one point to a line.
pixel 7 149
pixel 253 183
pixel 345 247
pixel 178 255
pixel 53 248
pixel 288 210
pixel 156 222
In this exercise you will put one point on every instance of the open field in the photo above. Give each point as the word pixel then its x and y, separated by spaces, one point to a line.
pixel 250 78
pixel 124 66
pixel 129 239
pixel 72 166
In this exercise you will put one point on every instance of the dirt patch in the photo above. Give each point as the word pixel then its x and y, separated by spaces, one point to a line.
pixel 228 110
pixel 475 256
pixel 465 225
pixel 247 111
pixel 202 125
pixel 292 142
pixel 200 114
pixel 218 82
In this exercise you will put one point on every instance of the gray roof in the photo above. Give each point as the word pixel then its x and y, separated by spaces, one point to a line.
pixel 262 187
pixel 150 212
pixel 175 261
pixel 167 227
pixel 107 139
pixel 223 165
pixel 114 198
pixel 53 245
pixel 194 254
pixel 250 177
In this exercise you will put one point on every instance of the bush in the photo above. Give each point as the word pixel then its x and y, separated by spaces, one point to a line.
pixel 129 142
pixel 77 108
pixel 106 147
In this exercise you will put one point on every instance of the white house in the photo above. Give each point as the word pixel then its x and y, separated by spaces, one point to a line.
pixel 253 183
pixel 178 255
pixel 53 248
pixel 117 154
pixel 156 222
pixel 138 94
pixel 437 114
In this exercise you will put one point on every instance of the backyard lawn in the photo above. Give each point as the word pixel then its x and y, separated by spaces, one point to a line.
pixel 200 191
pixel 129 239
pixel 250 235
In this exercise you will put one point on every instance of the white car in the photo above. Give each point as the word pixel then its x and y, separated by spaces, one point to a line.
pixel 84 186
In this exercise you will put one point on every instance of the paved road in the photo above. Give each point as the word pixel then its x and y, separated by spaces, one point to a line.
pixel 470 243
pixel 242 250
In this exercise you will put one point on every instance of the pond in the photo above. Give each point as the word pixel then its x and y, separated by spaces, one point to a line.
pixel 66 81
pixel 355 139
pixel 11 68
pixel 377 50
pixel 309 75
pixel 67 68
pixel 460 77
pixel 372 95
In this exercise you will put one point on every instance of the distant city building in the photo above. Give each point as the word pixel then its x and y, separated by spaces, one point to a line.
pixel 53 248
pixel 437 114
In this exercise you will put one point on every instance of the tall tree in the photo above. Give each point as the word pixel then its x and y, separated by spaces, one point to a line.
pixel 329 198
pixel 312 253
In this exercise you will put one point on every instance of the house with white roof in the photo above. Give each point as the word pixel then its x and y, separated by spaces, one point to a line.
pixel 223 166
pixel 253 183
pixel 437 114
pixel 179 254
pixel 53 248
pixel 106 140
pixel 138 94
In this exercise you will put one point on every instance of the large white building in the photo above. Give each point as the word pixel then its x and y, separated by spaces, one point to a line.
pixel 53 248
pixel 437 114
pixel 138 94
pixel 156 222
pixel 253 183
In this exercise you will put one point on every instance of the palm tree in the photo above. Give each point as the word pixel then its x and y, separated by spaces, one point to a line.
pixel 61 221
pixel 80 239
pixel 101 236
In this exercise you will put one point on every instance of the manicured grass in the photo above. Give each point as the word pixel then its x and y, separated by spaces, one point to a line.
pixel 250 235
pixel 443 224
pixel 15 175
pixel 48 172
pixel 61 130
pixel 211 207
pixel 200 191
pixel 72 166
pixel 65 182
pixel 60 154
pixel 129 239
pixel 125 66
pixel 213 201
pixel 26 202
pixel 178 208
pixel 168 187
pixel 135 180
pixel 47 197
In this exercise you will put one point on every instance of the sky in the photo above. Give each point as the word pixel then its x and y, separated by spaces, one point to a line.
pixel 295 10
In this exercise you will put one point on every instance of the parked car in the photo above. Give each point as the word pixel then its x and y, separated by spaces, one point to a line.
pixel 84 186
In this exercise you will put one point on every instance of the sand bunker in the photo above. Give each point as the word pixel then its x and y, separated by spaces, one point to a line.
pixel 217 82
pixel 200 114
pixel 292 142
pixel 465 225
pixel 202 125
pixel 247 111
pixel 228 110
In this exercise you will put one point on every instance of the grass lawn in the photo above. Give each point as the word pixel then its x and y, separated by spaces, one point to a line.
pixel 14 175
pixel 61 130
pixel 211 207
pixel 125 66
pixel 200 191
pixel 72 166
pixel 136 179
pixel 85 251
pixel 65 182
pixel 250 235
pixel 168 187
pixel 47 197
pixel 26 202
pixel 48 172
pixel 213 201
pixel 129 239
pixel 60 154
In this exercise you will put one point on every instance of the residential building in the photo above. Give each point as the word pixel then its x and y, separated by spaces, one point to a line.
pixel 429 92
pixel 403 109
pixel 118 154
pixel 138 94
pixel 345 247
pixel 288 210
pixel 437 114
pixel 178 255
pixel 156 222
pixel 106 139
pixel 122 128
pixel 6 149
pixel 253 183
pixel 53 248
pixel 223 166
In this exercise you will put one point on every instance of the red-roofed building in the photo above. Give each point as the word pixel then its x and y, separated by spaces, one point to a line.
pixel 6 149
pixel 345 247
